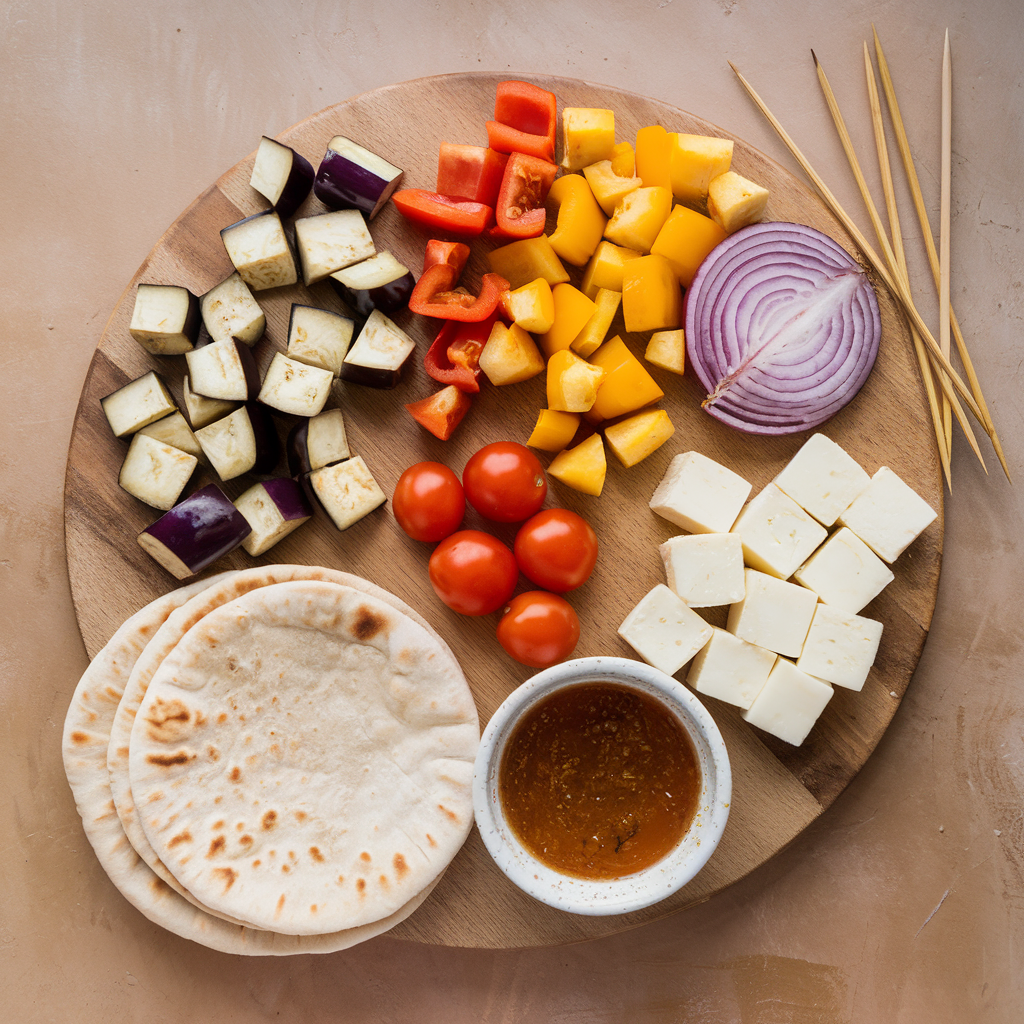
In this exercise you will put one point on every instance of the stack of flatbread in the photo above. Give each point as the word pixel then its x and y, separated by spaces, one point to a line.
pixel 274 761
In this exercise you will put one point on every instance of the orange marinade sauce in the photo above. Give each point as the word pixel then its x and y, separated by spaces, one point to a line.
pixel 599 781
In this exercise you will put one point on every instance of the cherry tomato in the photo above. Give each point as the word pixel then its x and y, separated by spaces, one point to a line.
pixel 539 629
pixel 505 482
pixel 556 549
pixel 473 572
pixel 428 501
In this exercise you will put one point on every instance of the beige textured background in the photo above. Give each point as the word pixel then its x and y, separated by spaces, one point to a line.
pixel 903 902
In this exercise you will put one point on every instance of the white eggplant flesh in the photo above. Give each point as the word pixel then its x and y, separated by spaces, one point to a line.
pixel 139 403
pixel 381 282
pixel 230 310
pixel 259 250
pixel 226 370
pixel 330 241
pixel 351 176
pixel 175 431
pixel 154 472
pixel 319 337
pixel 195 533
pixel 273 509
pixel 379 353
pixel 317 442
pixel 283 177
pixel 202 410
pixel 295 388
pixel 165 319
pixel 347 491
pixel 242 441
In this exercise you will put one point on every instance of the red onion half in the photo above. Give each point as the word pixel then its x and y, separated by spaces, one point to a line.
pixel 782 328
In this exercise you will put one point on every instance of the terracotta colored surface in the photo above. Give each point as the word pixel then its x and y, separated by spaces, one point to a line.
pixel 903 901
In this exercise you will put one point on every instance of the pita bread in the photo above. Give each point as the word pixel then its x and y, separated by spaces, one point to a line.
pixel 303 758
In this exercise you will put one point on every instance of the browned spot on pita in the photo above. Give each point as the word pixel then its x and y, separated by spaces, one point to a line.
pixel 368 624
pixel 315 853
pixel 400 866
pixel 240 826
pixel 451 815
pixel 257 862
pixel 79 738
pixel 361 885
pixel 159 886
pixel 430 839
pixel 365 856
pixel 275 748
pixel 215 847
pixel 158 795
pixel 235 774
pixel 181 837
pixel 228 875
pixel 383 881
pixel 269 820
pixel 280 906
pixel 232 664
pixel 219 824
pixel 213 753
pixel 301 816
pixel 111 692
pixel 169 760
pixel 246 840
pixel 222 718
pixel 217 799
pixel 168 721
pixel 291 854
pixel 122 751
pixel 200 719
pixel 286 868
pixel 312 908
pixel 341 879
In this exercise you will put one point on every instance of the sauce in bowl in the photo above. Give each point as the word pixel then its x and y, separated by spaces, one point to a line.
pixel 599 781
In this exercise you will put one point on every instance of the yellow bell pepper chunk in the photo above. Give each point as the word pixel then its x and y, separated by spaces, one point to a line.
pixel 623 160
pixel 605 269
pixel 572 310
pixel 588 135
pixel 572 382
pixel 651 297
pixel 633 439
pixel 596 328
pixel 580 220
pixel 653 149
pixel 667 351
pixel 626 386
pixel 582 468
pixel 510 355
pixel 527 259
pixel 607 186
pixel 531 307
pixel 693 161
pixel 685 239
pixel 554 430
pixel 735 201
pixel 639 217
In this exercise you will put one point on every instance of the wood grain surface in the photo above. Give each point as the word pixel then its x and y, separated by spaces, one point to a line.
pixel 778 789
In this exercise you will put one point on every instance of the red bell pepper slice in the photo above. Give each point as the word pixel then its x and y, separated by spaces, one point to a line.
pixel 525 120
pixel 454 357
pixel 470 172
pixel 437 212
pixel 524 187
pixel 435 295
pixel 442 412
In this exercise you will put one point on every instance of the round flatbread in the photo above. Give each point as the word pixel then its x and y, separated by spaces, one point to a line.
pixel 303 758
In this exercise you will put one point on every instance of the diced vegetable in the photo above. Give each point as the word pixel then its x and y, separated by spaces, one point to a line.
pixel 588 135
pixel 379 353
pixel 510 355
pixel 202 410
pixel 454 356
pixel 137 404
pixel 470 172
pixel 524 188
pixel 582 468
pixel 317 442
pixel 524 261
pixel 175 431
pixel 319 337
pixel 735 201
pixel 154 472
pixel 165 319
pixel 260 251
pixel 607 186
pixel 531 307
pixel 651 297
pixel 581 222
pixel 441 412
pixel 273 509
pixel 694 160
pixel 667 351
pixel 295 388
pixel 594 331
pixel 282 176
pixel 554 430
pixel 330 241
pixel 436 212
pixel 351 177
pixel 625 386
pixel 572 310
pixel 636 437
pixel 525 120
pixel 653 149
pixel 606 268
pixel 572 382
pixel 380 282
pixel 242 441
pixel 231 311
pixel 685 240
pixel 346 491
pixel 639 217
pixel 225 369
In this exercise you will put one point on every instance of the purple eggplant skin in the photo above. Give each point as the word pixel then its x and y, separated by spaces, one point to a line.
pixel 388 298
pixel 297 185
pixel 343 184
pixel 195 533
pixel 297 449
pixel 381 377
pixel 288 496
pixel 268 444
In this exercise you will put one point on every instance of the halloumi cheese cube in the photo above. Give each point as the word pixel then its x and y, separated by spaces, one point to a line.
pixel 773 614
pixel 700 495
pixel 844 572
pixel 664 631
pixel 840 647
pixel 789 703
pixel 778 535
pixel 823 479
pixel 705 569
pixel 730 669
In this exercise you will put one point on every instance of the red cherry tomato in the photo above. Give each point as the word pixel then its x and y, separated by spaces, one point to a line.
pixel 505 482
pixel 428 501
pixel 556 549
pixel 473 572
pixel 539 629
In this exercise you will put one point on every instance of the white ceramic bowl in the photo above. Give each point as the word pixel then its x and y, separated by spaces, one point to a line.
pixel 630 892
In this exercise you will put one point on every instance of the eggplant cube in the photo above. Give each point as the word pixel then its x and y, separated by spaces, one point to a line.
pixel 330 241
pixel 319 337
pixel 202 410
pixel 195 533
pixel 347 491
pixel 231 311
pixel 175 431
pixel 226 370
pixel 379 353
pixel 137 404
pixel 352 176
pixel 154 472
pixel 282 176
pixel 317 442
pixel 380 282
pixel 242 441
pixel 294 387
pixel 259 250
pixel 165 319
pixel 274 509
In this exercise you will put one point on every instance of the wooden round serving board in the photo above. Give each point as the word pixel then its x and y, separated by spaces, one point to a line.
pixel 778 789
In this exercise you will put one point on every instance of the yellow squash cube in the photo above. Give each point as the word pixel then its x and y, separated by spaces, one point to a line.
pixel 653 151
pixel 667 351
pixel 524 261
pixel 596 328
pixel 580 222
pixel 735 201
pixel 572 382
pixel 588 135
pixel 627 386
pixel 636 437
pixel 605 268
pixel 639 217
pixel 531 306
pixel 651 297
pixel 693 161
pixel 623 160
pixel 607 186
pixel 572 310
pixel 510 355
pixel 582 468
pixel 685 240
pixel 554 430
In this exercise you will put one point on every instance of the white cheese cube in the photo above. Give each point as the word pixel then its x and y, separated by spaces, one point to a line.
pixel 347 491
pixel 844 572
pixel 840 647
pixel 773 614
pixel 789 704
pixel 663 631
pixel 777 534
pixel 889 515
pixel 705 569
pixel 730 669
pixel 699 495
pixel 823 479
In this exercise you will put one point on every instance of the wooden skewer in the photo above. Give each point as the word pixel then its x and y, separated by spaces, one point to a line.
pixel 885 172
pixel 947 149
pixel 929 242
